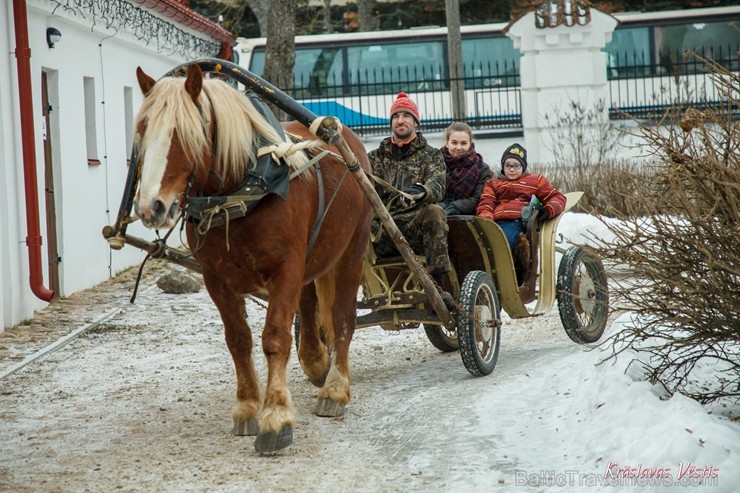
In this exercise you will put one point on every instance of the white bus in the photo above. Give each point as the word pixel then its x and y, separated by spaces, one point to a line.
pixel 355 75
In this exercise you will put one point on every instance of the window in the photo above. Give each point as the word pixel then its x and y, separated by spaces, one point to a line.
pixel 629 52
pixel 391 67
pixel 715 40
pixel 91 134
pixel 317 72
pixel 490 62
pixel 659 50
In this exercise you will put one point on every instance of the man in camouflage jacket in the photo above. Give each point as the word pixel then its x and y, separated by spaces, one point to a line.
pixel 406 162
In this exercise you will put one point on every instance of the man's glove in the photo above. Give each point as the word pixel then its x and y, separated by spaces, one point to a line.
pixel 450 209
pixel 415 193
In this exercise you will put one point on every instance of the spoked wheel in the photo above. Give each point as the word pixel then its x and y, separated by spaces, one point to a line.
pixel 479 323
pixel 583 295
pixel 443 339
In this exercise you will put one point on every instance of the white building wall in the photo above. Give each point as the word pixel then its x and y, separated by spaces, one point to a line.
pixel 10 269
pixel 86 197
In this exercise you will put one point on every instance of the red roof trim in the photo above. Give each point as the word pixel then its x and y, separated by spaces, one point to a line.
pixel 186 17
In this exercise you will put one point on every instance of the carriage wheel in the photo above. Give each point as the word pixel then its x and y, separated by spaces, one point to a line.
pixel 443 339
pixel 479 323
pixel 583 295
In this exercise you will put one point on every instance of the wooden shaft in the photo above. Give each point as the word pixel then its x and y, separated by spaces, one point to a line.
pixel 390 226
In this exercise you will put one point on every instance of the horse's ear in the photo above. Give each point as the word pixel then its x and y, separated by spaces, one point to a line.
pixel 145 82
pixel 194 82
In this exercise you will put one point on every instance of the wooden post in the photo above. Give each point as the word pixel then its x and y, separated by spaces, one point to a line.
pixel 455 60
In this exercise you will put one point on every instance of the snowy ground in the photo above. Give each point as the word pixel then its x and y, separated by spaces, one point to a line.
pixel 142 403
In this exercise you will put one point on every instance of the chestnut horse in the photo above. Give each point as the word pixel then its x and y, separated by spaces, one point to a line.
pixel 200 135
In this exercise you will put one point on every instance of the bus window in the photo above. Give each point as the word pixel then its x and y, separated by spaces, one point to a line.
pixel 490 62
pixel 629 52
pixel 642 51
pixel 715 40
pixel 392 67
pixel 257 62
pixel 317 72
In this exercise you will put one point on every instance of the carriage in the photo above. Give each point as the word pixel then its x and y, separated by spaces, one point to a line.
pixel 486 278
pixel 216 159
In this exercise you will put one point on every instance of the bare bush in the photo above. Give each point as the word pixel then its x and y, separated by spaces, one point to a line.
pixel 683 250
pixel 584 147
pixel 607 187
pixel 581 134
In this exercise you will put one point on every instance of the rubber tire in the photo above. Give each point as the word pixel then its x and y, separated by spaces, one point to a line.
pixel 478 297
pixel 440 338
pixel 581 276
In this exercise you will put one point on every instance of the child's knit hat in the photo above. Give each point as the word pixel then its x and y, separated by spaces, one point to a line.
pixel 518 152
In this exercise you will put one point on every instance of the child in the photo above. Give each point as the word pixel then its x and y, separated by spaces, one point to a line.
pixel 504 197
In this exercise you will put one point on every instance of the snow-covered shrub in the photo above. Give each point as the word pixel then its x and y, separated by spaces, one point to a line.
pixel 680 236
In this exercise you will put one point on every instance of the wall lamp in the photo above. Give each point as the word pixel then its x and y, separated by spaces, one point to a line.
pixel 52 36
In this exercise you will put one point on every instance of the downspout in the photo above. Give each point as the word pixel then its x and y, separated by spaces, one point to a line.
pixel 33 240
pixel 226 51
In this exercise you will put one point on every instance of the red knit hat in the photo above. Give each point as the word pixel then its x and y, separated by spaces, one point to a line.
pixel 404 103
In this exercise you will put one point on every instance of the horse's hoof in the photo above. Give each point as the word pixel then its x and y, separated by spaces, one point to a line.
pixel 249 428
pixel 328 408
pixel 272 441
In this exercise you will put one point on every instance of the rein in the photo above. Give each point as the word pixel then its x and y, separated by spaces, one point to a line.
pixel 213 211
pixel 161 243
pixel 263 178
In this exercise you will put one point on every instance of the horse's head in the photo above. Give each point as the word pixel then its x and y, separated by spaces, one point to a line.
pixel 173 139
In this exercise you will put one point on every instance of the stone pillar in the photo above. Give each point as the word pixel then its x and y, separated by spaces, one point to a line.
pixel 562 61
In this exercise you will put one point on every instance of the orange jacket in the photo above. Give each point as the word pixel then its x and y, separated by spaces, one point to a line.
pixel 503 199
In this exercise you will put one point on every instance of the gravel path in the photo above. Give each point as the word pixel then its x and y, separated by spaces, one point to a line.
pixel 141 402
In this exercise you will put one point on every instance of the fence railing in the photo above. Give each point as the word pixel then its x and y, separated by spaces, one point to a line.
pixel 643 88
pixel 639 87
pixel 362 100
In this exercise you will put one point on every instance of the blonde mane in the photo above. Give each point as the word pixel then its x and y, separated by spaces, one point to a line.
pixel 238 125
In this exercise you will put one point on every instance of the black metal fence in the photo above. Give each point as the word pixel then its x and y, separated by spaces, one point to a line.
pixel 639 87
pixel 643 88
pixel 362 99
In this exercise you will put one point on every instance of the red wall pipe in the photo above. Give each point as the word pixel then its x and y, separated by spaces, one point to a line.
pixel 33 240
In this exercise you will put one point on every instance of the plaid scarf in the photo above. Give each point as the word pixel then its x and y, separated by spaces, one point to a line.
pixel 462 173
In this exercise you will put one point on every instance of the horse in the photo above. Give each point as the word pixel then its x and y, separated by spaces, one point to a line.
pixel 199 136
